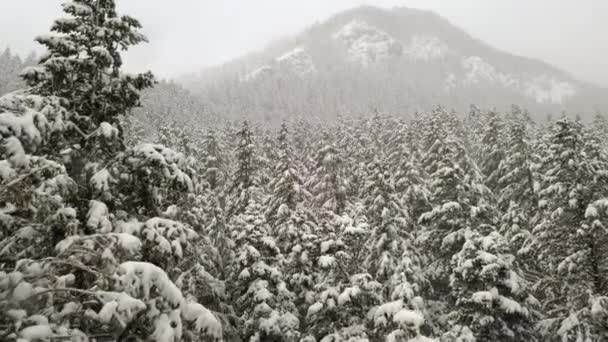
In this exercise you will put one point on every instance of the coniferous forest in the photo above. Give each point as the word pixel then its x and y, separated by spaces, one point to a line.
pixel 452 227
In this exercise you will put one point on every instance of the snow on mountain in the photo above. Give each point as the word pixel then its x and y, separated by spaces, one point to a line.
pixel 425 48
pixel 367 44
pixel 402 51
pixel 542 89
pixel 546 89
pixel 298 60
pixel 257 73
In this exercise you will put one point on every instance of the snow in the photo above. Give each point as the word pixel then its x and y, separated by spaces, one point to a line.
pixel 98 217
pixel 37 332
pixel 386 311
pixel 77 8
pixel 103 54
pixel 510 306
pixel 107 131
pixel 421 338
pixel 258 73
pixel 15 152
pixel 348 294
pixel 425 48
pixel 482 297
pixel 568 324
pixel 23 291
pixel 314 309
pixel 542 88
pixel 408 319
pixel 204 321
pixel 547 89
pixel 367 44
pixel 298 60
pixel 127 242
pixel 106 313
pixel 487 258
pixel 326 261
pixel 140 277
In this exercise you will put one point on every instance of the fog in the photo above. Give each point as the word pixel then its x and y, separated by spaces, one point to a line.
pixel 187 35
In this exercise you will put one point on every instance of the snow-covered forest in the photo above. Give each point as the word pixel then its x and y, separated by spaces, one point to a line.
pixel 166 223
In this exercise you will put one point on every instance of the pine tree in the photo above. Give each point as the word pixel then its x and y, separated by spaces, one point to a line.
pixel 260 294
pixel 245 183
pixel 459 201
pixel 492 149
pixel 490 291
pixel 410 180
pixel 573 179
pixel 287 186
pixel 388 222
pixel 214 163
pixel 516 187
pixel 328 185
pixel 94 265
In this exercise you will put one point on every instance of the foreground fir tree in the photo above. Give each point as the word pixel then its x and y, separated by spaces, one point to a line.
pixel 83 66
pixel 97 269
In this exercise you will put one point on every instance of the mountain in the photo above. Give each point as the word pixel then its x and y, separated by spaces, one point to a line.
pixel 399 61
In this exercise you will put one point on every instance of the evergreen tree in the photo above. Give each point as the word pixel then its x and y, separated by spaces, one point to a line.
pixel 328 185
pixel 490 291
pixel 492 149
pixel 245 183
pixel 574 178
pixel 287 186
pixel 261 297
pixel 516 187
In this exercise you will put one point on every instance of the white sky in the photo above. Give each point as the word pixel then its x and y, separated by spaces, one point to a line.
pixel 187 35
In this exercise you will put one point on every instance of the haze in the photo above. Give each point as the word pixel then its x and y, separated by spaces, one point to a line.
pixel 567 34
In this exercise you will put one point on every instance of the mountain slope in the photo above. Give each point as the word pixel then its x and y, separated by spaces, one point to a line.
pixel 400 61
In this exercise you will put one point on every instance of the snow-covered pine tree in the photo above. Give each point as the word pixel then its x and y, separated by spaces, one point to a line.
pixel 287 185
pixel 474 123
pixel 388 222
pixel 459 200
pixel 393 259
pixel 492 150
pixel 213 160
pixel 516 187
pixel 492 298
pixel 258 289
pixel 345 293
pixel 87 276
pixel 11 66
pixel 245 182
pixel 574 178
pixel 83 65
pixel 328 185
pixel 599 125
pixel 410 181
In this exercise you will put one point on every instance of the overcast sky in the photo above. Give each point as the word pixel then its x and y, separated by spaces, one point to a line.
pixel 186 35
